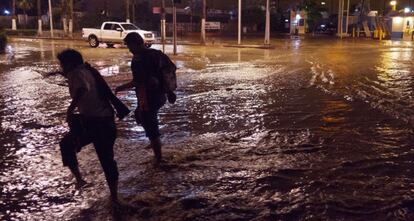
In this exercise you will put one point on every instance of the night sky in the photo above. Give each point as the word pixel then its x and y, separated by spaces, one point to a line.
pixel 4 4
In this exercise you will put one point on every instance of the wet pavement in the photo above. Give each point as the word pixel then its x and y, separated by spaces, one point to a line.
pixel 312 130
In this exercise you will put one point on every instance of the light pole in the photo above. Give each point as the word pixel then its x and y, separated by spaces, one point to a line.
pixel 203 24
pixel 175 27
pixel 267 32
pixel 347 17
pixel 393 5
pixel 127 11
pixel 39 18
pixel 51 19
pixel 14 24
pixel 239 22
pixel 71 18
pixel 163 25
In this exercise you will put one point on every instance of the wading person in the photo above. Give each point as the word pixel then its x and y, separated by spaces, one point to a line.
pixel 93 100
pixel 154 80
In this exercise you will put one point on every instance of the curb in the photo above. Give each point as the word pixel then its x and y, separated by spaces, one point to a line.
pixel 158 43
pixel 250 46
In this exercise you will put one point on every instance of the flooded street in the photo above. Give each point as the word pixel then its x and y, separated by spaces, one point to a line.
pixel 310 130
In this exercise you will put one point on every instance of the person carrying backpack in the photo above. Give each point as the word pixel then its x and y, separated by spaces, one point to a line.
pixel 154 81
pixel 95 103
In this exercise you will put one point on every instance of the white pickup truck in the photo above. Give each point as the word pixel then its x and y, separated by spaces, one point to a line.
pixel 114 32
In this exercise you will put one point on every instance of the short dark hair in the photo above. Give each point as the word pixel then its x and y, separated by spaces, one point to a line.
pixel 70 56
pixel 134 38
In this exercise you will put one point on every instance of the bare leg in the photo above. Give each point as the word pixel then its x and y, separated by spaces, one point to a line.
pixel 156 147
pixel 79 180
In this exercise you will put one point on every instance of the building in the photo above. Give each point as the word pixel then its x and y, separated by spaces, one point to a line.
pixel 402 24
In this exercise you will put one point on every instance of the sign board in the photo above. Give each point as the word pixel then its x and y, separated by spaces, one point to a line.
pixel 213 25
pixel 156 10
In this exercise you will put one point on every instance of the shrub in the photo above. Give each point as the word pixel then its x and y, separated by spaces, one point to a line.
pixel 3 40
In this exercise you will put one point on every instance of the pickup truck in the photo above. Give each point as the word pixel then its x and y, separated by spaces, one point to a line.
pixel 114 32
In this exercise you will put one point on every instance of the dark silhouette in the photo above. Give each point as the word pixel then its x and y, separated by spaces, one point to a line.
pixel 92 98
pixel 153 79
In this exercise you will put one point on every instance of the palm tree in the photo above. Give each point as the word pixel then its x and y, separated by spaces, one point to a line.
pixel 25 5
pixel 39 17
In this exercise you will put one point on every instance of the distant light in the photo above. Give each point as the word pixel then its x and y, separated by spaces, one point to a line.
pixel 323 26
pixel 407 10
pixel 6 12
pixel 323 3
pixel 298 17
pixel 398 20
pixel 286 20
pixel 393 3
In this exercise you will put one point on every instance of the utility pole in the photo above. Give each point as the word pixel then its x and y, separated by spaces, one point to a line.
pixel 71 18
pixel 239 25
pixel 340 18
pixel 14 24
pixel 133 11
pixel 163 25
pixel 51 19
pixel 203 24
pixel 39 18
pixel 267 32
pixel 175 28
pixel 347 18
pixel 127 11
pixel 106 8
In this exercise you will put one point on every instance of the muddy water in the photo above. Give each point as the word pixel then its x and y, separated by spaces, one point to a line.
pixel 313 130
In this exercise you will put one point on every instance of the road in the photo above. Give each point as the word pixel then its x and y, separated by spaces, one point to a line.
pixel 310 130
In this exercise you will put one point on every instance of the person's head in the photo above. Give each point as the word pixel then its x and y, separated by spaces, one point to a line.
pixel 134 42
pixel 69 59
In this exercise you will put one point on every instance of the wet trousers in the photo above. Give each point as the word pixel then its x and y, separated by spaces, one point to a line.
pixel 101 131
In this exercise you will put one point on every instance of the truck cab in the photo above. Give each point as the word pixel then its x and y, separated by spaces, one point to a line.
pixel 114 33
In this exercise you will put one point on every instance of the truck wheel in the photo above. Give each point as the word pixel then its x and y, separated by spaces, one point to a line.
pixel 109 45
pixel 93 41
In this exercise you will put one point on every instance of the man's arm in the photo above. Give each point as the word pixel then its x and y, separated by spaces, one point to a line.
pixel 78 95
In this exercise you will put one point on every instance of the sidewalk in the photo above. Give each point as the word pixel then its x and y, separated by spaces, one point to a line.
pixel 252 42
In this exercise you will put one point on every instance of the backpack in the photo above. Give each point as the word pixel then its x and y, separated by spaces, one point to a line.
pixel 167 70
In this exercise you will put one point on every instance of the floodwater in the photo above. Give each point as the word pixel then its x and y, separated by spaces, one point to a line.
pixel 311 130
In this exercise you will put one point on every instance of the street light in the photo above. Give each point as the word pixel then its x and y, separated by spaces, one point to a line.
pixel 394 5
pixel 239 23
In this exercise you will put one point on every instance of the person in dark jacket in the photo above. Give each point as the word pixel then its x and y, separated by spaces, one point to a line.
pixel 94 122
pixel 147 83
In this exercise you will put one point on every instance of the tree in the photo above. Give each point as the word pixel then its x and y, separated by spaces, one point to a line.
pixel 313 11
pixel 25 5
